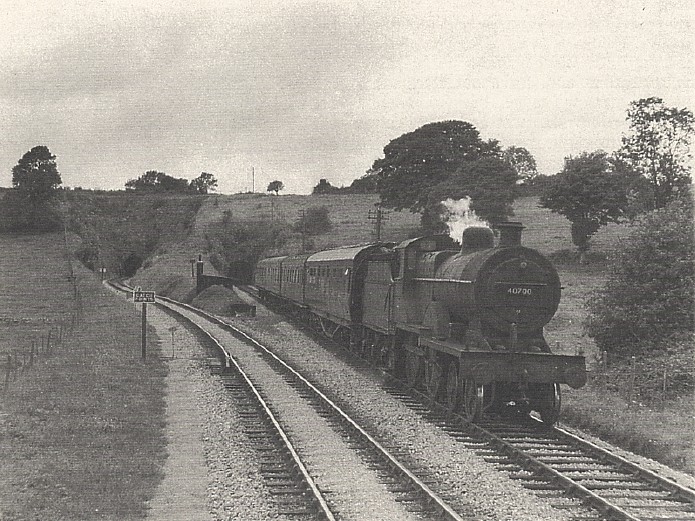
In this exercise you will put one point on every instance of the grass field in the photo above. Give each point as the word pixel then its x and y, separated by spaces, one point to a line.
pixel 82 430
pixel 36 295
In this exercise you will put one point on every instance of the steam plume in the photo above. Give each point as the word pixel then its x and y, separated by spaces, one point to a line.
pixel 459 216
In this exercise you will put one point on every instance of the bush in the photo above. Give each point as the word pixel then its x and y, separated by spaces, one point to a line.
pixel 324 187
pixel 233 243
pixel 648 297
pixel 19 214
pixel 316 220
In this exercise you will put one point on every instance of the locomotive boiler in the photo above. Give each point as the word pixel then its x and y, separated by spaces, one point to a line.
pixel 465 324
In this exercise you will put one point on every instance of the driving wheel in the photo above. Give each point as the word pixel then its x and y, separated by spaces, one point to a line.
pixel 549 408
pixel 434 379
pixel 453 390
pixel 473 395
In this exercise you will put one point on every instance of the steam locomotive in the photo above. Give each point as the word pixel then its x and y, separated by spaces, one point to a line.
pixel 464 325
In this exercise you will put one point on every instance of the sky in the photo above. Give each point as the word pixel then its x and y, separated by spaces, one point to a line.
pixel 258 90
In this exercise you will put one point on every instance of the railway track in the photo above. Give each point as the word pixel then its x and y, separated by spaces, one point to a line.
pixel 317 461
pixel 587 481
pixel 570 472
pixel 584 480
pixel 575 475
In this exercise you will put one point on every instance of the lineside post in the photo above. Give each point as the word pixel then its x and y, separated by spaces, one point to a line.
pixel 144 330
pixel 143 297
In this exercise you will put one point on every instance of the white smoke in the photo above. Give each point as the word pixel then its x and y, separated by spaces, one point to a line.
pixel 459 216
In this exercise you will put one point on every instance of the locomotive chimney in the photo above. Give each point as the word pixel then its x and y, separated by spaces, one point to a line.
pixel 510 234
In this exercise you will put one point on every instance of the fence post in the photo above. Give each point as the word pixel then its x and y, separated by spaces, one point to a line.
pixel 632 381
pixel 8 370
pixel 15 366
pixel 604 368
pixel 48 343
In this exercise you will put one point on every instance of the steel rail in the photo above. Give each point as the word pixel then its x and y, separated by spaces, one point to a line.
pixel 231 361
pixel 570 486
pixel 573 488
pixel 546 472
pixel 432 498
pixel 676 490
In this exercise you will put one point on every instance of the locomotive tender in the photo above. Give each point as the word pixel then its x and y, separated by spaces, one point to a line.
pixel 463 324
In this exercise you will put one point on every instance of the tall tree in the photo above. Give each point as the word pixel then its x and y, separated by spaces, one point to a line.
pixel 522 161
pixel 275 186
pixel 36 174
pixel 415 162
pixel 658 146
pixel 204 183
pixel 489 182
pixel 591 191
pixel 30 205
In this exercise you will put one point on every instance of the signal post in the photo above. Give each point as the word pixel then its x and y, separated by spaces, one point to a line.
pixel 144 297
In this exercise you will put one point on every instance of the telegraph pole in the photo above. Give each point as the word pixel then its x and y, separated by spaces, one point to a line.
pixel 302 216
pixel 378 216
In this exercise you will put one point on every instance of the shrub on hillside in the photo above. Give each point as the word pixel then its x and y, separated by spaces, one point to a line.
pixel 648 297
pixel 324 187
pixel 19 214
pixel 314 221
pixel 234 242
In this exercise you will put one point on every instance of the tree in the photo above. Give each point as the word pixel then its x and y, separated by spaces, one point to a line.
pixel 275 186
pixel 415 162
pixel 244 242
pixel 647 306
pixel 658 146
pixel 314 221
pixel 367 184
pixel 489 182
pixel 324 187
pixel 591 191
pixel 157 182
pixel 204 183
pixel 29 206
pixel 523 163
pixel 36 174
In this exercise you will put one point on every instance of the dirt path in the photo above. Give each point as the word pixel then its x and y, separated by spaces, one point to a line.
pixel 182 494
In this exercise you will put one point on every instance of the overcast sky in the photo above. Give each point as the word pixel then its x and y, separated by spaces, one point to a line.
pixel 303 90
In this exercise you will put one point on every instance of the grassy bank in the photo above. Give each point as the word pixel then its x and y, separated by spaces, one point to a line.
pixel 82 431
pixel 665 432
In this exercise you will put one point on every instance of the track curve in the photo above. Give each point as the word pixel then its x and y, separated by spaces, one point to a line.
pixel 411 494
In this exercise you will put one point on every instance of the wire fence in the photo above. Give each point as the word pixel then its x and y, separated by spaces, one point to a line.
pixel 639 382
pixel 20 361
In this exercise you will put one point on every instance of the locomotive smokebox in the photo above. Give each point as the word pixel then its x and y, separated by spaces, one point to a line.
pixel 510 234
pixel 477 238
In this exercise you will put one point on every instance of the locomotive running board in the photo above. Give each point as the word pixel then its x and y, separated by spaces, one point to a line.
pixel 488 366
